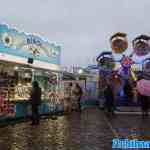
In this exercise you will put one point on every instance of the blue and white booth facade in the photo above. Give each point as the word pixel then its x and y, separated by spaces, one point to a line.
pixel 23 59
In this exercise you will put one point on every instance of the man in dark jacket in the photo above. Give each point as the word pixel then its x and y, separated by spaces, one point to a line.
pixel 78 92
pixel 128 91
pixel 35 102
pixel 109 99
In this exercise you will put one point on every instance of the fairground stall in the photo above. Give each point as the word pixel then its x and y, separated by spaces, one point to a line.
pixel 25 58
pixel 123 67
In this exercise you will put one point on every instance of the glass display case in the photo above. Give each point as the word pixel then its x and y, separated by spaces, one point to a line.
pixel 16 81
pixel 15 84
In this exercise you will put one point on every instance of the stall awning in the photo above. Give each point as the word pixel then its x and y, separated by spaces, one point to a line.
pixel 24 61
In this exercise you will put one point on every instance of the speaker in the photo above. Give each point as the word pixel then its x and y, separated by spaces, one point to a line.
pixel 30 60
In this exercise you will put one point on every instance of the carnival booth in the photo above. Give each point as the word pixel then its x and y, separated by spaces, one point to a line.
pixel 25 58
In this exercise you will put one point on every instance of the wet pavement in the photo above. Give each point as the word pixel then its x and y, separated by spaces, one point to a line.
pixel 89 130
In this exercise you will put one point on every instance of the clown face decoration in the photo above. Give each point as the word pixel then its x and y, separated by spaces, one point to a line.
pixel 141 45
pixel 119 42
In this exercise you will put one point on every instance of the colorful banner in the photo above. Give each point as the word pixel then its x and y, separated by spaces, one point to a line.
pixel 28 46
pixel 6 109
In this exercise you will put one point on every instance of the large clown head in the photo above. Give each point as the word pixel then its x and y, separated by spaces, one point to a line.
pixel 141 45
pixel 119 42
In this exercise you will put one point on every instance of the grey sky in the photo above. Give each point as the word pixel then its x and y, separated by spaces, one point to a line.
pixel 82 27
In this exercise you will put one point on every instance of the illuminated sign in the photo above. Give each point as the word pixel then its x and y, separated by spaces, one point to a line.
pixel 33 41
pixel 24 45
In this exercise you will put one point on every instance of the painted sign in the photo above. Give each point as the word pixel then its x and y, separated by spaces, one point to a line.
pixel 24 45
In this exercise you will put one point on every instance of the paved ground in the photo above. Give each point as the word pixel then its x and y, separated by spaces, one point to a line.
pixel 90 130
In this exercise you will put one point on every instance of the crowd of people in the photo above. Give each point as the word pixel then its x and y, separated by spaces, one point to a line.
pixel 72 100
pixel 129 94
pixel 72 97
pixel 73 94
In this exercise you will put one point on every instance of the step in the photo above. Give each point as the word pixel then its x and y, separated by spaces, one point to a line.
pixel 127 113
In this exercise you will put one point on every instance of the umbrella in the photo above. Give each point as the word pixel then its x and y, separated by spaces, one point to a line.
pixel 143 87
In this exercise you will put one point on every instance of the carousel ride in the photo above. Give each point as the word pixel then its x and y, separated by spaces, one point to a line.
pixel 124 73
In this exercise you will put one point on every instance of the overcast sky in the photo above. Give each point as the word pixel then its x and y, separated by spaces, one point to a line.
pixel 82 27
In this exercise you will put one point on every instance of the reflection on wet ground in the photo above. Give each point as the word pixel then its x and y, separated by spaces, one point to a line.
pixel 89 130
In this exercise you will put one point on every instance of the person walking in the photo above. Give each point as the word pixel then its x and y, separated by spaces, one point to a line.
pixel 78 92
pixel 143 99
pixel 128 91
pixel 109 99
pixel 35 102
pixel 144 104
pixel 68 98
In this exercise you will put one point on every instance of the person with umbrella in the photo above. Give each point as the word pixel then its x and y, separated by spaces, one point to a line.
pixel 144 95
